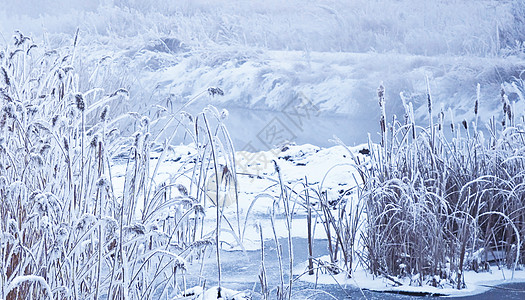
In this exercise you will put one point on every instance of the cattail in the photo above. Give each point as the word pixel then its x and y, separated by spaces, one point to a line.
pixel 452 126
pixel 5 77
pixel 66 144
pixel 136 137
pixel 276 167
pixel 182 189
pixel 104 113
pixel 381 97
pixel 429 99
pixel 94 141
pixel 405 106
pixel 441 118
pixel 80 102
pixel 476 105
pixel 465 125
pixel 54 120
pixel 411 117
pixel 76 38
pixel 509 112
pixel 506 108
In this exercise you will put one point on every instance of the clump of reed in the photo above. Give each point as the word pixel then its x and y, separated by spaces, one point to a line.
pixel 65 231
pixel 437 206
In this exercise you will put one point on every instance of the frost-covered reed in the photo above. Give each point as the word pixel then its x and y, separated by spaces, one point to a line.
pixel 436 207
pixel 66 233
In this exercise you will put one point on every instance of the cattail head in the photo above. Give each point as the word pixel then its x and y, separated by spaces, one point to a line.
pixel 429 98
pixel 94 141
pixel 54 120
pixel 136 138
pixel 441 118
pixel 5 77
pixel 452 126
pixel 76 38
pixel 276 167
pixel 182 189
pixel 405 106
pixel 66 144
pixel 429 103
pixel 104 113
pixel 476 105
pixel 465 124
pixel 381 98
pixel 381 95
pixel 509 111
pixel 79 100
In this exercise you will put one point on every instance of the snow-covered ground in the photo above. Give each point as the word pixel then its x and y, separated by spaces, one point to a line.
pixel 324 169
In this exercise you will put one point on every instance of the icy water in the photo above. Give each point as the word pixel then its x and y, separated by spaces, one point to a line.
pixel 256 130
pixel 502 292
pixel 263 129
pixel 241 269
